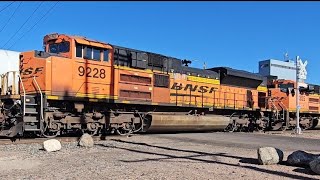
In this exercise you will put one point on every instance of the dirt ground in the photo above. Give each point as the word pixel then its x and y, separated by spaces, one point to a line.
pixel 159 156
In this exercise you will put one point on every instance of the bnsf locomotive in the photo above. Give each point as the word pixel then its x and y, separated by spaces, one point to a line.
pixel 81 85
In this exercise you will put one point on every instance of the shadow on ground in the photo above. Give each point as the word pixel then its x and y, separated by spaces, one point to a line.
pixel 304 171
pixel 201 154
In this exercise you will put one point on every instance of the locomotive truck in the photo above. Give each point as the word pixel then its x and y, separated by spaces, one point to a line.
pixel 81 85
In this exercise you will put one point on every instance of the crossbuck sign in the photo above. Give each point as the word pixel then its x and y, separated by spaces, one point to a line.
pixel 301 69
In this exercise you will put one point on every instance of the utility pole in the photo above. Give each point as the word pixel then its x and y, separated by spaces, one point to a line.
pixel 301 74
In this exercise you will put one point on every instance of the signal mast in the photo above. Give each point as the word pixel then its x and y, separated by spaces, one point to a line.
pixel 301 75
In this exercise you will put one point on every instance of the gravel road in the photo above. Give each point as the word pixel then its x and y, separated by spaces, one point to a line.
pixel 158 156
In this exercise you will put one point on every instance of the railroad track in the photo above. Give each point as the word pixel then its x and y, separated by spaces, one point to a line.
pixel 6 141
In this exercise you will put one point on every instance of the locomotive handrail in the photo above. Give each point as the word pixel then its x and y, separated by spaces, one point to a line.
pixel 282 105
pixel 284 108
pixel 274 106
pixel 41 97
pixel 24 95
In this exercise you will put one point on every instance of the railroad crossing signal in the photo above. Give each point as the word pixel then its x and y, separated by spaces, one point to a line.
pixel 301 69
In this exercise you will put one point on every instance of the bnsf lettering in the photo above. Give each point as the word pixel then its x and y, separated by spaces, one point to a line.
pixel 27 71
pixel 203 89
pixel 30 70
pixel 38 69
pixel 94 73
pixel 188 87
pixel 175 86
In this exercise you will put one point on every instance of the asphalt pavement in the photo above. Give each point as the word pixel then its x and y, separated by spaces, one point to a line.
pixel 245 140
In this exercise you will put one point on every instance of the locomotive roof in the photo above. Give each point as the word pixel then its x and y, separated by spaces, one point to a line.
pixel 79 39
pixel 181 69
pixel 140 51
pixel 238 78
pixel 205 72
pixel 236 72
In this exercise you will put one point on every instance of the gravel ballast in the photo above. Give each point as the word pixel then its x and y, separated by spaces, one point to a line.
pixel 143 157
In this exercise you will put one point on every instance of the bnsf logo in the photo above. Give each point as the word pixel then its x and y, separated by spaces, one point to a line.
pixel 190 87
pixel 31 70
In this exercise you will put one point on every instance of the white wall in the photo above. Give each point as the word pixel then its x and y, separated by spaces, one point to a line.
pixel 282 69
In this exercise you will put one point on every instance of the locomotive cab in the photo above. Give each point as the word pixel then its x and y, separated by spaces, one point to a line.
pixel 70 66
pixel 283 99
pixel 59 79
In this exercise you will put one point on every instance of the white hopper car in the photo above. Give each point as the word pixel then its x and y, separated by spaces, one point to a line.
pixel 9 62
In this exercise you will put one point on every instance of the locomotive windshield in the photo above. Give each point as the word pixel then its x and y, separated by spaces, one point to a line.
pixel 285 86
pixel 59 47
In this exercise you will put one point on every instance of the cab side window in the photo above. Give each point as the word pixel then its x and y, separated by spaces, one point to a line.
pixel 106 55
pixel 92 53
pixel 88 54
pixel 96 54
pixel 78 51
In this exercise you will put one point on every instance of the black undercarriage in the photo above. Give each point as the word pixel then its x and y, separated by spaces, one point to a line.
pixel 26 116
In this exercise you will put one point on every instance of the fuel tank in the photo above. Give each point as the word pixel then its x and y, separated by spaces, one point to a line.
pixel 169 122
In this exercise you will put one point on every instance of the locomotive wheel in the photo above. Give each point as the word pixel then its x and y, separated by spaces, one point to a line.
pixel 277 126
pixel 92 133
pixel 251 127
pixel 308 125
pixel 50 134
pixel 92 129
pixel 232 126
pixel 123 132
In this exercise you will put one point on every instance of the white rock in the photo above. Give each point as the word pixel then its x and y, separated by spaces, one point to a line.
pixel 51 145
pixel 269 155
pixel 300 158
pixel 86 141
pixel 315 165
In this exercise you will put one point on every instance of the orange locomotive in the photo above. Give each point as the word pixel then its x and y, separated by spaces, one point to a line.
pixel 82 85
pixel 282 98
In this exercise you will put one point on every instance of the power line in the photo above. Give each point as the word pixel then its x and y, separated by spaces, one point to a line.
pixel 6 6
pixel 22 25
pixel 34 24
pixel 11 16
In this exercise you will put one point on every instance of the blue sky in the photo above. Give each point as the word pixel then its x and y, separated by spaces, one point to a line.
pixel 233 34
